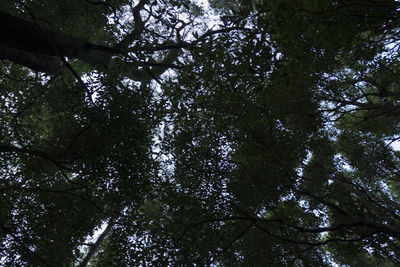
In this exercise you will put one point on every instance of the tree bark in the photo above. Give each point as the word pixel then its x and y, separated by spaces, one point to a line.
pixel 42 63
pixel 93 249
pixel 22 41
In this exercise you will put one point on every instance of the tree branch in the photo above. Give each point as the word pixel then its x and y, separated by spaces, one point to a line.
pixel 43 63
pixel 93 249
pixel 128 39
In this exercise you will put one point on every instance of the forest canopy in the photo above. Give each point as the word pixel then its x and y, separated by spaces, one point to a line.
pixel 164 133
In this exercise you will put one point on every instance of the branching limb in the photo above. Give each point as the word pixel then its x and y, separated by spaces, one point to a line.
pixel 139 26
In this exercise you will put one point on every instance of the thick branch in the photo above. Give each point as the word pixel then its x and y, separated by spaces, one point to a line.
pixel 7 148
pixel 24 35
pixel 134 35
pixel 22 41
pixel 48 64
pixel 93 249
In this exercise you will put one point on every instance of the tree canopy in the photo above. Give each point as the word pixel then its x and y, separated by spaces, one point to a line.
pixel 161 132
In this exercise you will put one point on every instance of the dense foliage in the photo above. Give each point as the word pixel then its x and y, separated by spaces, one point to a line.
pixel 263 135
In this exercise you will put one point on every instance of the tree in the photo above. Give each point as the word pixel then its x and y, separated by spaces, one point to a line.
pixel 265 140
pixel 74 117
